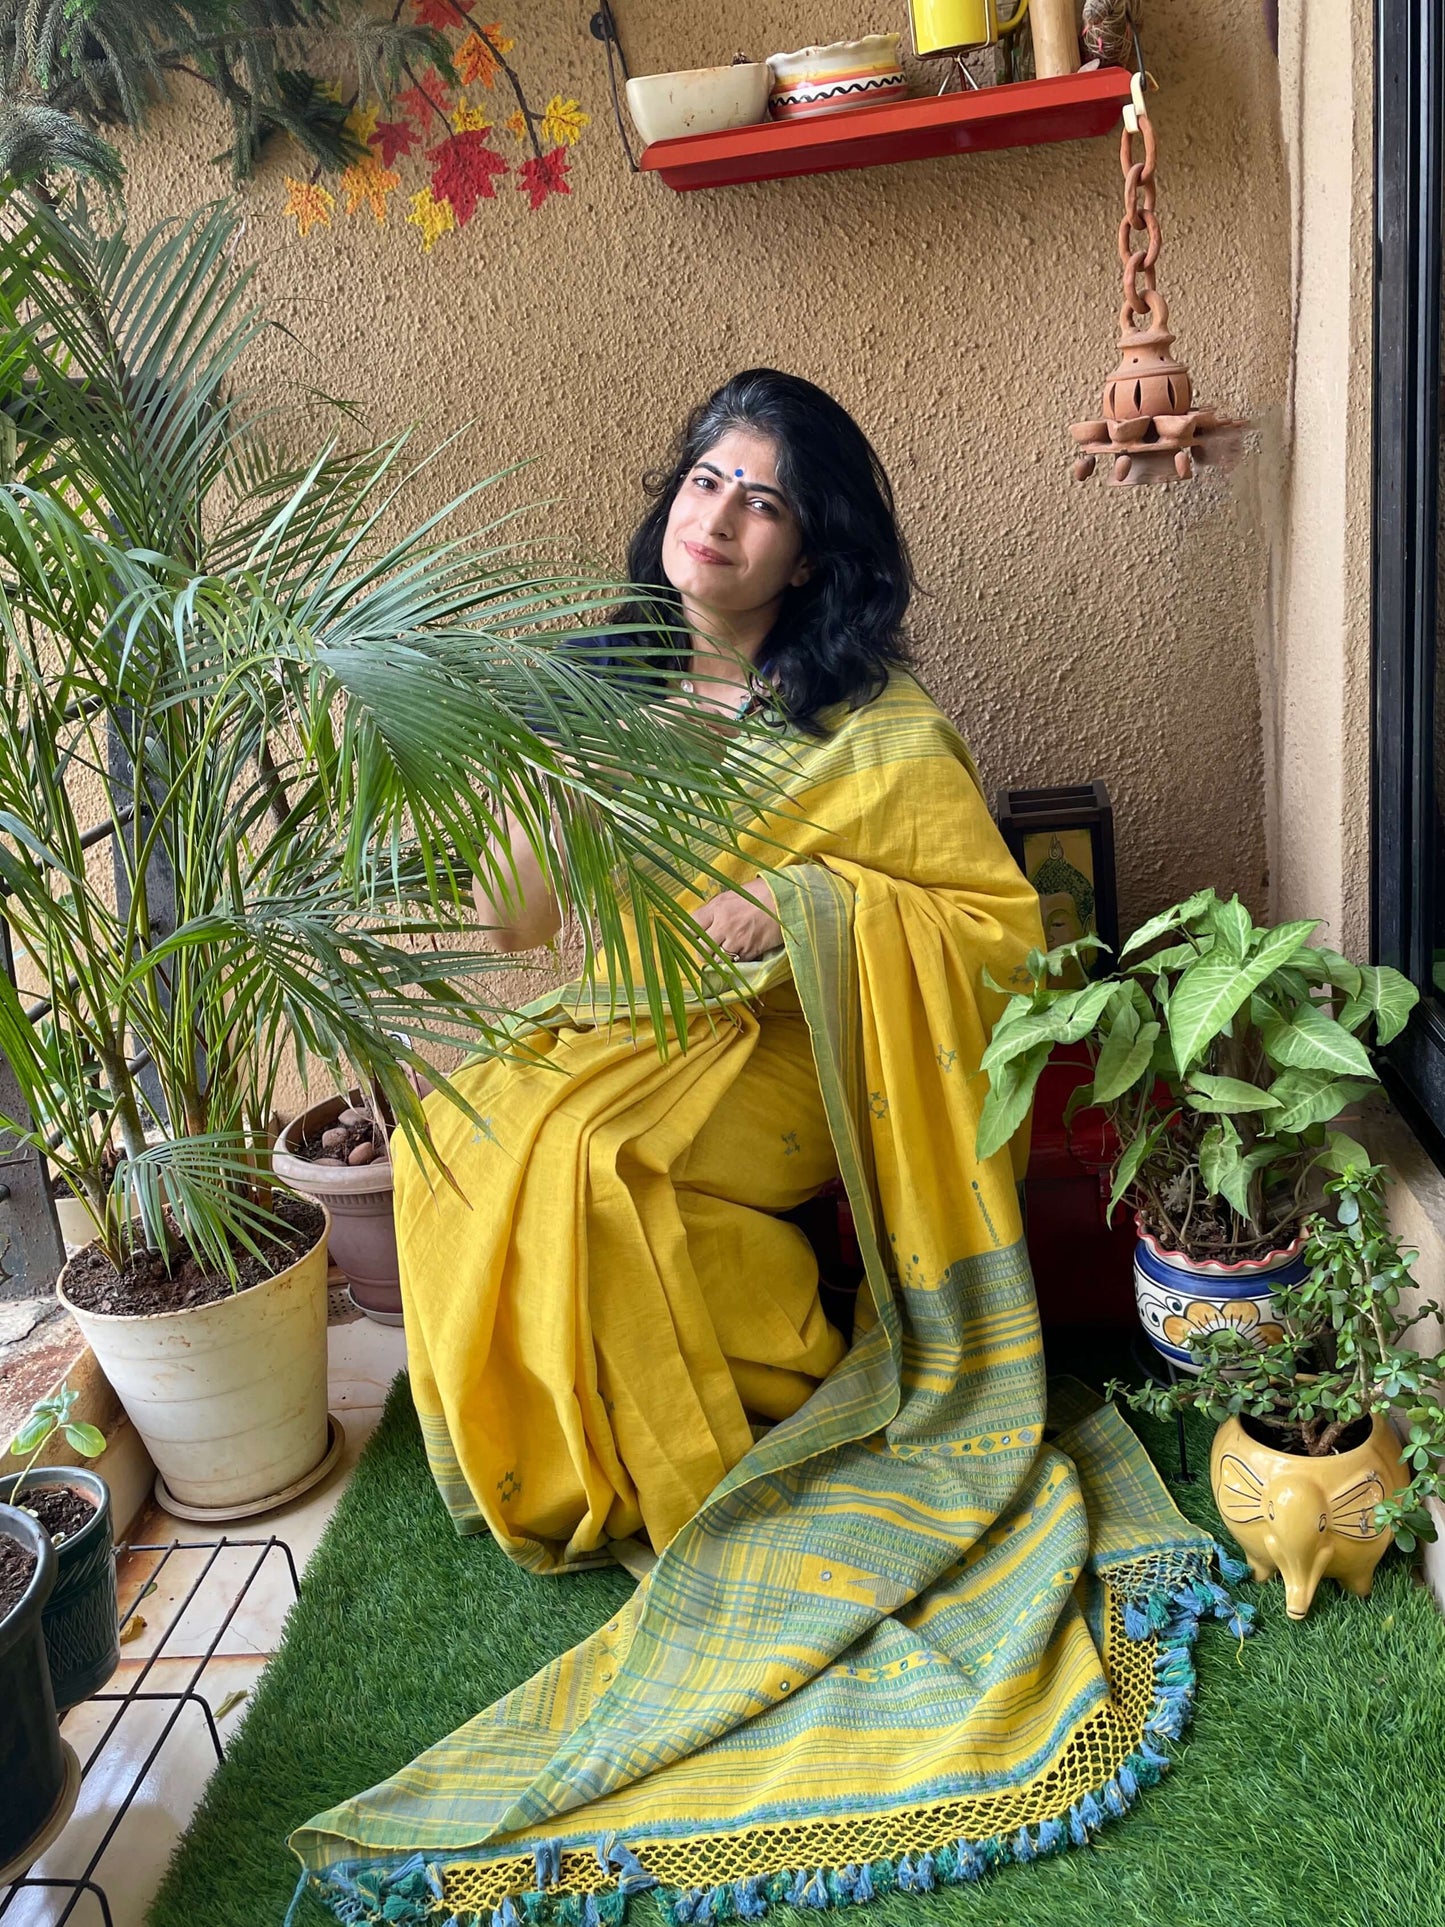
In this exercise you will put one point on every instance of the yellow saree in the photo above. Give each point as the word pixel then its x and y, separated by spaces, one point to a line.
pixel 908 1634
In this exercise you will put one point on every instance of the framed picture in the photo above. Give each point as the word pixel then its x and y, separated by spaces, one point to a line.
pixel 1063 841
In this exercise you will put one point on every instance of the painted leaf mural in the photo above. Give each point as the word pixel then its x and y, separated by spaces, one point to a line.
pixel 447 140
pixel 394 140
pixel 463 166
pixel 544 174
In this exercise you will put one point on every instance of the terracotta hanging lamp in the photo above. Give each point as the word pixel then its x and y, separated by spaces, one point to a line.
pixel 1150 429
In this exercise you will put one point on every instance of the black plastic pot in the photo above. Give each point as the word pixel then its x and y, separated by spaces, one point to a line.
pixel 32 1766
pixel 81 1630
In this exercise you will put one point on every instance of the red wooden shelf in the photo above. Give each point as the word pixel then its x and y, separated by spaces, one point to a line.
pixel 1024 114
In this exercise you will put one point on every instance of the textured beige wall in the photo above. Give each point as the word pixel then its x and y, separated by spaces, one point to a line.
pixel 964 309
pixel 1317 685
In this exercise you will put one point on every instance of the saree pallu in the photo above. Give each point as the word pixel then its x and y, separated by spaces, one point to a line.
pixel 931 1621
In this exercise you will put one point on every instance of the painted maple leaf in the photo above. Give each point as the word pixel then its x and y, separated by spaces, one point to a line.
pixel 542 175
pixel 462 172
pixel 469 120
pixel 393 137
pixel 428 97
pixel 361 121
pixel 563 121
pixel 366 183
pixel 308 203
pixel 441 14
pixel 432 216
pixel 476 58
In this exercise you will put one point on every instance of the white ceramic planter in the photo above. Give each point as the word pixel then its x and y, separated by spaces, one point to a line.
pixel 1178 1299
pixel 74 1221
pixel 229 1398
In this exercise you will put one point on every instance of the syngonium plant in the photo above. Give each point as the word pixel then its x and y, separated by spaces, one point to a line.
pixel 1341 1355
pixel 1221 1054
pixel 305 722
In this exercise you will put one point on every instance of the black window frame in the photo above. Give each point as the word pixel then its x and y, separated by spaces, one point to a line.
pixel 1406 370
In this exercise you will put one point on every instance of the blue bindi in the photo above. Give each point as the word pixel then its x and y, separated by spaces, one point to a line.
pixel 738 472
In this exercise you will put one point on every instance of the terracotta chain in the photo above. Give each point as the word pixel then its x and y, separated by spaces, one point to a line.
pixel 1149 427
pixel 1143 304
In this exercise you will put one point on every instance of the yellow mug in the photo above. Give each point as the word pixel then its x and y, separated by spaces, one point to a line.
pixel 954 26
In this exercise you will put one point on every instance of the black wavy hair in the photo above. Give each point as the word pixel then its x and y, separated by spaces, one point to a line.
pixel 836 637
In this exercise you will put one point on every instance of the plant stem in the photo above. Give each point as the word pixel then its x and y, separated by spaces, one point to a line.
pixel 29 1467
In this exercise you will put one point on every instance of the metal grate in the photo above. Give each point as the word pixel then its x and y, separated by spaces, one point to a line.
pixel 179 1698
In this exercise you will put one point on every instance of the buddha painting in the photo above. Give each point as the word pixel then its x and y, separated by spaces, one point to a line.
pixel 1053 861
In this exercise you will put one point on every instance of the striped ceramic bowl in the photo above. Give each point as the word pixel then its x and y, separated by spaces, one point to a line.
pixel 827 80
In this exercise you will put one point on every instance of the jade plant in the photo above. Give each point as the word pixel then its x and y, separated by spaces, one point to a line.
pixel 45 1418
pixel 1341 1356
pixel 1221 1054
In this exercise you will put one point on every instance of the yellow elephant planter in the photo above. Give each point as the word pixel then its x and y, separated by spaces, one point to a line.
pixel 1307 1519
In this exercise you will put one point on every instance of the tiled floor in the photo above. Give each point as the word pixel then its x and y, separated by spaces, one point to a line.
pixel 364 1359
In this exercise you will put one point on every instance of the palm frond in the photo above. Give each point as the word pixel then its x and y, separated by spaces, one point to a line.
pixel 312 720
pixel 37 140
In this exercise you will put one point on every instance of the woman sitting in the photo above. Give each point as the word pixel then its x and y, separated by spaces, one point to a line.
pixel 903 1637
pixel 598 1325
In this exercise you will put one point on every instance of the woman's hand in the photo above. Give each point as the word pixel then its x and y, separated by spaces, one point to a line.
pixel 742 922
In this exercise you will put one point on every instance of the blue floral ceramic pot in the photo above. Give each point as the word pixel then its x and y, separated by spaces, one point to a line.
pixel 1180 1300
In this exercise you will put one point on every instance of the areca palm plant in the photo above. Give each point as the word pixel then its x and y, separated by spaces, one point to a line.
pixel 258 732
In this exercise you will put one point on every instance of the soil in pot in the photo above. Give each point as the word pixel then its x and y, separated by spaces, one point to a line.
pixel 17 1569
pixel 59 1508
pixel 355 1139
pixel 1281 1437
pixel 146 1287
pixel 1211 1239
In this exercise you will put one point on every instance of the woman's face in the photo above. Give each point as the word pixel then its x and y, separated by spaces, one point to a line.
pixel 732 542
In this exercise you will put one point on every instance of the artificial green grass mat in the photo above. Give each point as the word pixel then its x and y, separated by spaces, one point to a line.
pixel 1309 1791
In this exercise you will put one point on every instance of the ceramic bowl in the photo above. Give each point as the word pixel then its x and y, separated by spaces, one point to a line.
pixel 703 100
pixel 826 80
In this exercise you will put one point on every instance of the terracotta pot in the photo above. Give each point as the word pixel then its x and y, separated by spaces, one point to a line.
pixel 229 1398
pixel 363 1233
pixel 32 1763
pixel 82 1635
pixel 1307 1519
pixel 1178 1298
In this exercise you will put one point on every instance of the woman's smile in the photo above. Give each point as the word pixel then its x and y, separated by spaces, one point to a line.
pixel 732 546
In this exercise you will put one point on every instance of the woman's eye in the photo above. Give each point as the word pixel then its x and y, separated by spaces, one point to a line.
pixel 762 502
